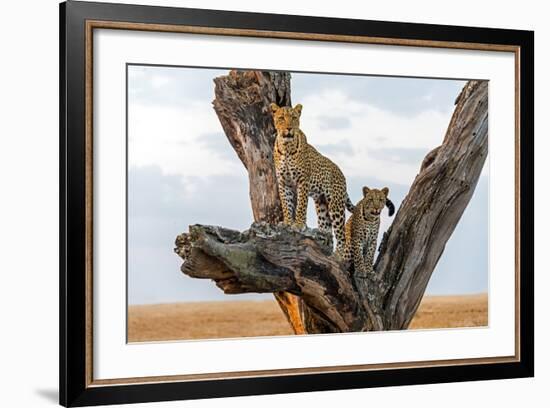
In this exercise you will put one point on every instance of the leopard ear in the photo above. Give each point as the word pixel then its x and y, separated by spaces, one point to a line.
pixel 385 191
pixel 274 107
pixel 298 109
pixel 366 190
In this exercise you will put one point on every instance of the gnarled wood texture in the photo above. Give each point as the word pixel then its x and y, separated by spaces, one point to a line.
pixel 429 214
pixel 242 105
pixel 271 258
pixel 268 258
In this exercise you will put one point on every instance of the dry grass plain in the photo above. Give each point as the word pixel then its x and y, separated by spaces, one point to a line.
pixel 210 320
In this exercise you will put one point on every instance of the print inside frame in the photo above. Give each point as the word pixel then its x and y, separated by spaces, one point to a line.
pixel 144 48
pixel 98 366
pixel 378 128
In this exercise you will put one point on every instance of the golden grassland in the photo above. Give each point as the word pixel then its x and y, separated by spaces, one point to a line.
pixel 209 320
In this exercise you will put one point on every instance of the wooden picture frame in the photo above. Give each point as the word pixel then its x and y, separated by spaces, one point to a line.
pixel 78 20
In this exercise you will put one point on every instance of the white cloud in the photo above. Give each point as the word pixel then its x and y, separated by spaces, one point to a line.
pixel 170 138
pixel 170 135
pixel 370 129
pixel 181 166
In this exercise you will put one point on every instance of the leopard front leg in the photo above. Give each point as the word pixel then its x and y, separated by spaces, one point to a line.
pixel 337 217
pixel 323 219
pixel 301 206
pixel 370 248
pixel 286 195
pixel 361 269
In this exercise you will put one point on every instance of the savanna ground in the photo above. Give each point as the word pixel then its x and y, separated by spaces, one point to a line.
pixel 208 320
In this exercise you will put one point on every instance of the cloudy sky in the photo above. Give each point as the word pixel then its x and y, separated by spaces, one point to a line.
pixel 182 170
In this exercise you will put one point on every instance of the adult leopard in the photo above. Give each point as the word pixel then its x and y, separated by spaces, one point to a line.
pixel 303 172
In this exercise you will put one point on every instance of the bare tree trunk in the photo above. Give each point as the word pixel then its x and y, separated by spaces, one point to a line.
pixel 430 212
pixel 271 258
pixel 242 105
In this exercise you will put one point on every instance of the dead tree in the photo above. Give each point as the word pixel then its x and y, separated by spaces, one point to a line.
pixel 318 293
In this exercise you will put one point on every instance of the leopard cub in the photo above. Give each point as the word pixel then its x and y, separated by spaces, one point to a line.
pixel 362 229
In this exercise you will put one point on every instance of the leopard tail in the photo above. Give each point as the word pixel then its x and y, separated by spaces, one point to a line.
pixel 391 207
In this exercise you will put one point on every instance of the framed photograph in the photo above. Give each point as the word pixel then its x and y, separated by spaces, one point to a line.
pixel 260 203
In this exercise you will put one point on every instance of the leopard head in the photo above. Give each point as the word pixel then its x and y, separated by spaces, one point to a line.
pixel 286 119
pixel 287 124
pixel 374 201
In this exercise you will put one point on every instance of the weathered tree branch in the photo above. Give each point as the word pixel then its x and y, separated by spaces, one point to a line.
pixel 268 259
pixel 272 258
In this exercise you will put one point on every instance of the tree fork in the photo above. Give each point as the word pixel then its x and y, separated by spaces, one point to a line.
pixel 316 291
